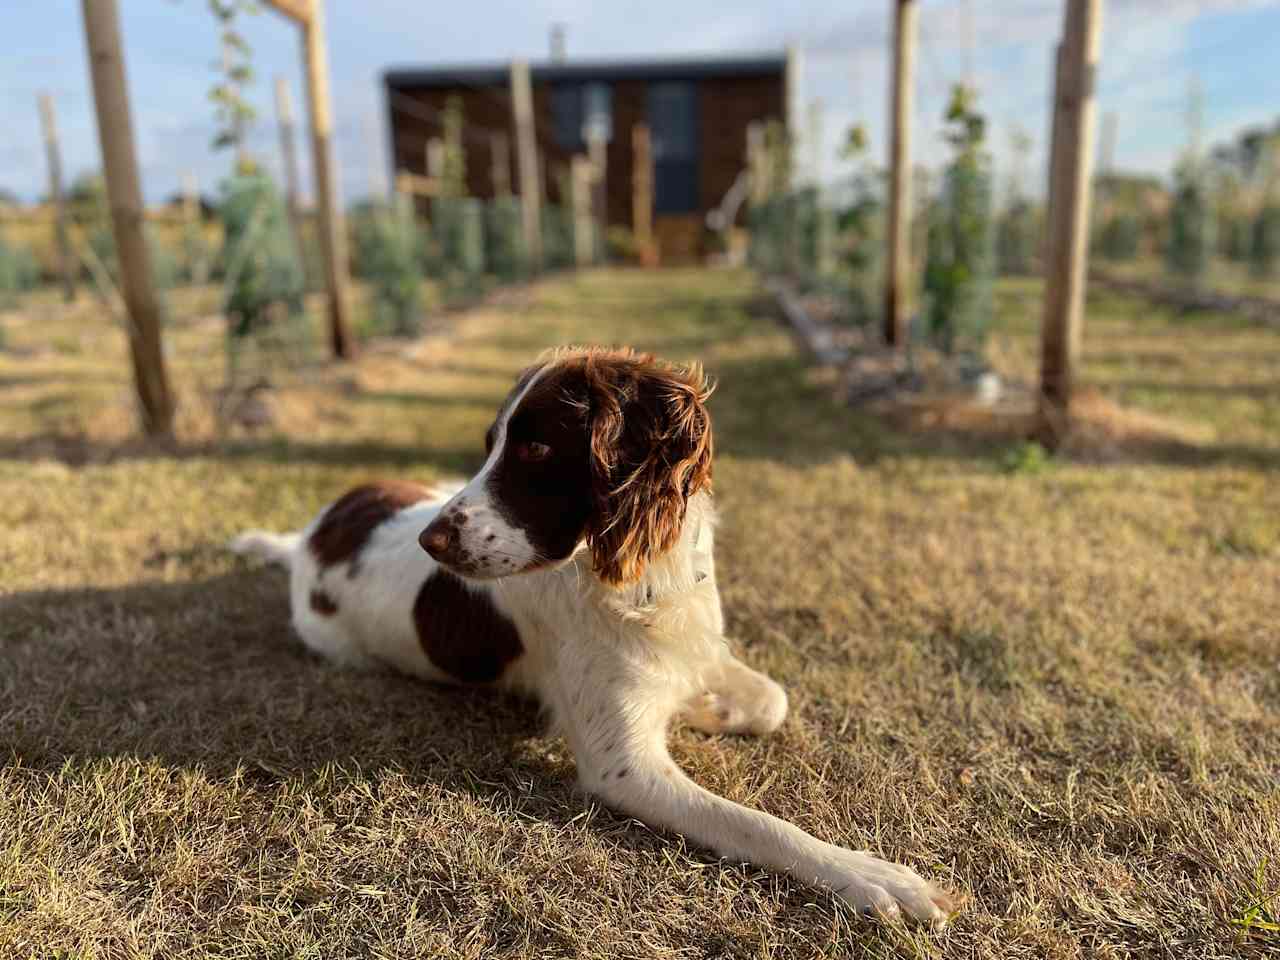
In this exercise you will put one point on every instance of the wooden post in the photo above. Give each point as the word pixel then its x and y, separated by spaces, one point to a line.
pixel 333 241
pixel 642 192
pixel 757 163
pixel 120 169
pixel 193 215
pixel 289 161
pixel 793 108
pixel 66 259
pixel 527 159
pixel 500 160
pixel 435 157
pixel 1054 83
pixel 598 153
pixel 1067 247
pixel 898 268
pixel 582 175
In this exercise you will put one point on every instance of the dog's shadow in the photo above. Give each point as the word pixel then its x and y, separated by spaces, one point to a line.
pixel 209 675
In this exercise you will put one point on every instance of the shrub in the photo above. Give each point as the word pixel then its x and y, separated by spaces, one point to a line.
pixel 259 258
pixel 859 247
pixel 1120 236
pixel 87 201
pixel 1264 246
pixel 960 259
pixel 504 239
pixel 1191 226
pixel 1017 235
pixel 266 323
pixel 388 256
pixel 19 272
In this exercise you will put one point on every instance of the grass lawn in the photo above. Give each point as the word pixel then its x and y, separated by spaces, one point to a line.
pixel 1052 686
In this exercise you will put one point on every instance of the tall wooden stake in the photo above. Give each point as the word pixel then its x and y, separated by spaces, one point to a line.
pixel 120 168
pixel 500 169
pixel 435 157
pixel 642 192
pixel 333 241
pixel 793 120
pixel 898 268
pixel 1067 250
pixel 66 260
pixel 289 160
pixel 757 163
pixel 527 159
pixel 582 175
pixel 193 217
pixel 597 150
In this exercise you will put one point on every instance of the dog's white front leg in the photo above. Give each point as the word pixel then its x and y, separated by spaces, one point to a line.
pixel 618 732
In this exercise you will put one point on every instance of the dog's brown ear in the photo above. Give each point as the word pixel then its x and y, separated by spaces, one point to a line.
pixel 651 450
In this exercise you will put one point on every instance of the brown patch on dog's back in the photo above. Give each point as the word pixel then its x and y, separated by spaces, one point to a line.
pixel 322 603
pixel 347 525
pixel 462 632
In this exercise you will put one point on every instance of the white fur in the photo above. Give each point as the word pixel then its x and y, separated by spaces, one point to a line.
pixel 613 666
pixel 510 550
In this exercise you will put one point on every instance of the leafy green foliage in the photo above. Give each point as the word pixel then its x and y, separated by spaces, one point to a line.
pixel 87 205
pixel 197 253
pixel 777 148
pixel 19 272
pixel 1191 225
pixel 389 257
pixel 1018 227
pixel 557 237
pixel 453 176
pixel 960 260
pixel 233 113
pixel 1017 235
pixel 1120 236
pixel 261 263
pixel 504 239
pixel 859 232
pixel 1264 246
pixel 1026 459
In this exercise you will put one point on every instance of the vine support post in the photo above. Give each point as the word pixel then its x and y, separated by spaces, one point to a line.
pixel 289 161
pixel 527 161
pixel 309 16
pixel 328 205
pixel 897 271
pixel 1067 233
pixel 124 194
pixel 66 260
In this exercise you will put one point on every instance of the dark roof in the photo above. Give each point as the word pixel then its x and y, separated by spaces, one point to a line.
pixel 597 71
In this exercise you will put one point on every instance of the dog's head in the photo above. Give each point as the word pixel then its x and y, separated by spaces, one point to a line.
pixel 605 446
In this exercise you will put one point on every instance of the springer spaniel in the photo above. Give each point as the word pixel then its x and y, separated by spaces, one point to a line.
pixel 577 566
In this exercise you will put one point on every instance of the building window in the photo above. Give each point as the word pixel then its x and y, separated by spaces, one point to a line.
pixel 578 107
pixel 566 115
pixel 673 122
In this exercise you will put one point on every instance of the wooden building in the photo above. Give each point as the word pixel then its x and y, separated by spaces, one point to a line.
pixel 697 111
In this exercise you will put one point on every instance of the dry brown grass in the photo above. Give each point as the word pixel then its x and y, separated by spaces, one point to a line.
pixel 1052 686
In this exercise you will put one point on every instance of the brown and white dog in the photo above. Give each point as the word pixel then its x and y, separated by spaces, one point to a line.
pixel 577 566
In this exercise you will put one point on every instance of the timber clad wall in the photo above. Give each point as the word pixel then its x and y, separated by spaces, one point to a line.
pixel 727 108
pixel 727 96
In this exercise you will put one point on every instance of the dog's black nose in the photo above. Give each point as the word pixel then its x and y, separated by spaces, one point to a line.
pixel 440 539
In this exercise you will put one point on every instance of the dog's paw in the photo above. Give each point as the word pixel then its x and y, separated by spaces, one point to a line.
pixel 878 888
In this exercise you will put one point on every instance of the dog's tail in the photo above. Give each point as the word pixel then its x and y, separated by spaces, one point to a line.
pixel 273 547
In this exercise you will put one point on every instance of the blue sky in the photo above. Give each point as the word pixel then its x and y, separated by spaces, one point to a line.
pixel 1152 52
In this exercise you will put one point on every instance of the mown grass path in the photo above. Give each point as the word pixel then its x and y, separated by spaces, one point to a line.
pixel 1055 689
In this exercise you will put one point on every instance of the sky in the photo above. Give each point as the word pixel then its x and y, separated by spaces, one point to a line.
pixel 1155 52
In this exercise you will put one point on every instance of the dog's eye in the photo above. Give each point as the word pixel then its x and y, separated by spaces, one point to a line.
pixel 530 451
